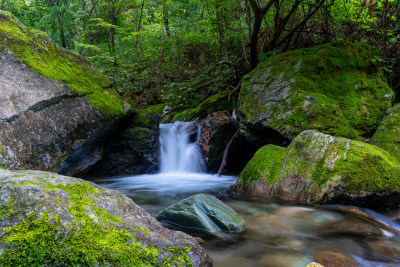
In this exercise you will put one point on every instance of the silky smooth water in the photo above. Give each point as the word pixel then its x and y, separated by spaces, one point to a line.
pixel 278 234
pixel 182 171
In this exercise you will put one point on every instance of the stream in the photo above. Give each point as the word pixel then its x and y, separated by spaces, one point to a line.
pixel 278 233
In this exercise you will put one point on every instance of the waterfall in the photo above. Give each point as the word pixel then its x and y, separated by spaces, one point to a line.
pixel 178 153
pixel 182 169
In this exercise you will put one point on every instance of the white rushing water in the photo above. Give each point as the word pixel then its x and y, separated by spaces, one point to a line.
pixel 182 168
pixel 178 154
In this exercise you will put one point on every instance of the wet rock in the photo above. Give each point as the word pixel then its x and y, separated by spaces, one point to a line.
pixel 334 259
pixel 300 90
pixel 351 227
pixel 387 136
pixel 133 150
pixel 216 131
pixel 384 250
pixel 279 260
pixel 360 214
pixel 52 102
pixel 321 168
pixel 49 219
pixel 202 214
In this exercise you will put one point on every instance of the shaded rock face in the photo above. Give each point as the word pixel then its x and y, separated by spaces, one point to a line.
pixel 202 214
pixel 387 136
pixel 58 220
pixel 335 88
pixel 53 103
pixel 321 168
pixel 133 150
pixel 216 131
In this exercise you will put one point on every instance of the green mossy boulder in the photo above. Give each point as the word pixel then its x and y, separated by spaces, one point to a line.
pixel 387 136
pixel 320 168
pixel 55 108
pixel 37 51
pixel 218 102
pixel 52 220
pixel 202 214
pixel 335 88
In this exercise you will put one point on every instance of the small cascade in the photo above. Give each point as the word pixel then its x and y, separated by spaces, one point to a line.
pixel 178 153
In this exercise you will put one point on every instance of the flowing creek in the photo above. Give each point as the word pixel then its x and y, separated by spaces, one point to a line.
pixel 279 233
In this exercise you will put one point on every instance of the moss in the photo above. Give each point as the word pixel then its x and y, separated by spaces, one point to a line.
pixel 265 164
pixel 212 104
pixel 336 88
pixel 359 166
pixel 147 118
pixel 156 109
pixel 37 51
pixel 43 239
pixel 368 168
pixel 387 136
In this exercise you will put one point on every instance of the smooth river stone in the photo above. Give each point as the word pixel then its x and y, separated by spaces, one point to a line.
pixel 203 214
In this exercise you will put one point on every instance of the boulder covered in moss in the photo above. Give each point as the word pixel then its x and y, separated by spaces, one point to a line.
pixel 387 136
pixel 218 102
pixel 202 214
pixel 320 168
pixel 336 88
pixel 52 101
pixel 52 220
pixel 134 148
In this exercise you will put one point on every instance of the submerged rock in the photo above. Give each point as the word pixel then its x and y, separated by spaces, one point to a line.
pixel 385 250
pixel 54 220
pixel 351 227
pixel 53 103
pixel 387 136
pixel 335 88
pixel 202 214
pixel 321 168
pixel 334 259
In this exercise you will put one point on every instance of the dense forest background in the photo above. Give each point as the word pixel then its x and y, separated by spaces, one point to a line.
pixel 182 51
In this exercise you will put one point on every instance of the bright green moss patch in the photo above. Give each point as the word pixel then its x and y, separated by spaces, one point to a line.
pixel 265 164
pixel 387 136
pixel 37 51
pixel 212 104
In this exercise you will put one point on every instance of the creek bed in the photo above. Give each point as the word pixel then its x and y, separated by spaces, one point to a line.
pixel 279 234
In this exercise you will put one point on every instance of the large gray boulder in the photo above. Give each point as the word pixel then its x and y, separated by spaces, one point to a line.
pixel 320 168
pixel 53 103
pixel 202 214
pixel 335 88
pixel 387 136
pixel 52 220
